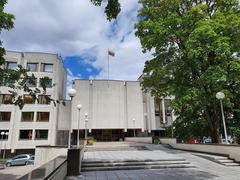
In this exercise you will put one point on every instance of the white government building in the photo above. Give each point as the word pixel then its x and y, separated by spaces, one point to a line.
pixel 111 110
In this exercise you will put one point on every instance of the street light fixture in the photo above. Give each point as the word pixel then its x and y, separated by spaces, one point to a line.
pixel 79 107
pixel 6 134
pixel 221 96
pixel 86 121
pixel 2 134
pixel 134 120
pixel 71 94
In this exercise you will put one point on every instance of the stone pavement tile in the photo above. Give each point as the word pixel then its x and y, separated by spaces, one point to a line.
pixel 121 174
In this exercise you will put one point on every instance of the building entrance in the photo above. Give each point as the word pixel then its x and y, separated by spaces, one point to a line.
pixel 107 134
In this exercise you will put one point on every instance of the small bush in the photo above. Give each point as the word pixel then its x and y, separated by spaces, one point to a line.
pixel 155 140
pixel 90 141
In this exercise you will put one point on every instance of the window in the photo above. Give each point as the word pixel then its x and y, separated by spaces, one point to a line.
pixel 6 98
pixel 4 134
pixel 47 67
pixel 28 99
pixel 41 134
pixel 43 116
pixel 11 65
pixel 25 134
pixel 49 83
pixel 44 99
pixel 31 82
pixel 27 116
pixel 33 67
pixel 5 116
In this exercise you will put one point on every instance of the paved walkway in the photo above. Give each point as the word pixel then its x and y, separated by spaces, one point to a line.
pixel 205 169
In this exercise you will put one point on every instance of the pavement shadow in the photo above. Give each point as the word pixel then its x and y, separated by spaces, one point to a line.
pixel 8 176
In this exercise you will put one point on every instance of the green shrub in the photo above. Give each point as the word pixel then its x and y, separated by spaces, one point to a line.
pixel 155 140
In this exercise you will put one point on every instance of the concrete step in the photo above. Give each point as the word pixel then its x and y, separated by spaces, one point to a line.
pixel 131 160
pixel 160 166
pixel 115 148
pixel 230 164
pixel 224 160
pixel 132 163
pixel 218 159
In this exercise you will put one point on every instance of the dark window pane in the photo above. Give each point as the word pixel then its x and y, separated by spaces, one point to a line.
pixel 6 98
pixel 27 116
pixel 41 134
pixel 11 65
pixel 44 99
pixel 5 116
pixel 25 134
pixel 47 67
pixel 43 116
pixel 31 82
pixel 28 99
pixel 33 67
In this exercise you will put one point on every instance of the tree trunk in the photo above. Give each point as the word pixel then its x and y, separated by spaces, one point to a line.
pixel 213 120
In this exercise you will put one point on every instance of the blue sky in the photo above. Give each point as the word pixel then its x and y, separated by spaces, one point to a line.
pixel 82 35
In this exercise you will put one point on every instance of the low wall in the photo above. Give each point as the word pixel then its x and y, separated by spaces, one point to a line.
pixel 139 139
pixel 55 169
pixel 233 151
pixel 43 154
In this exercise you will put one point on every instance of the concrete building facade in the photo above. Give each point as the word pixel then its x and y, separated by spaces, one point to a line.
pixel 113 109
pixel 36 123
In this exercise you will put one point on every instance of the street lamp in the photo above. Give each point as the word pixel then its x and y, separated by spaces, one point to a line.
pixel 221 96
pixel 79 107
pixel 6 134
pixel 134 120
pixel 86 121
pixel 71 94
pixel 2 134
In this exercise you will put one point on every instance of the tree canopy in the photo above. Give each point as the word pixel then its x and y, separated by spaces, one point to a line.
pixel 196 46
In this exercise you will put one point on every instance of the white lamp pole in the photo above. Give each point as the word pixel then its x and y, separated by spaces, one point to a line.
pixel 79 107
pixel 134 126
pixel 2 134
pixel 221 96
pixel 6 134
pixel 71 94
pixel 86 121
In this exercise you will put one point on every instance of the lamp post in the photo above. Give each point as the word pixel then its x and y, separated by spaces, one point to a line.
pixel 134 127
pixel 86 121
pixel 79 107
pixel 6 134
pixel 2 134
pixel 221 96
pixel 71 94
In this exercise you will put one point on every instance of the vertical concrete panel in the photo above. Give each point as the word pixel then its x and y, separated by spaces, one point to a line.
pixel 135 105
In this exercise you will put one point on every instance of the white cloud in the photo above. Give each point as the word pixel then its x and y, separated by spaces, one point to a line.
pixel 77 27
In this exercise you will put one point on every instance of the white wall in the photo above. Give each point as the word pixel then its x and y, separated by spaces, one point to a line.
pixel 110 105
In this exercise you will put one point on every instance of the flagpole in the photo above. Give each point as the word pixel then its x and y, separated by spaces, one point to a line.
pixel 108 66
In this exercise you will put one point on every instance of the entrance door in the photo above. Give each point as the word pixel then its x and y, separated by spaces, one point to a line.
pixel 106 135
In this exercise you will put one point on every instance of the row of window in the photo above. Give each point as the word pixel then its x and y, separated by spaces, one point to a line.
pixel 167 109
pixel 32 67
pixel 31 83
pixel 28 99
pixel 26 134
pixel 26 116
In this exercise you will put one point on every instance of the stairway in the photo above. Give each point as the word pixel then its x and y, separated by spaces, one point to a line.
pixel 134 164
pixel 218 159
pixel 115 146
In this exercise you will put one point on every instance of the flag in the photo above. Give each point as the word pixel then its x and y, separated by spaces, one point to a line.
pixel 111 53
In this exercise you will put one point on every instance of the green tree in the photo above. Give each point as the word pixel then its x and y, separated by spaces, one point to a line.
pixel 196 46
pixel 112 8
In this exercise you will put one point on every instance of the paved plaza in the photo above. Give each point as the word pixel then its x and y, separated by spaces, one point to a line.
pixel 205 169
